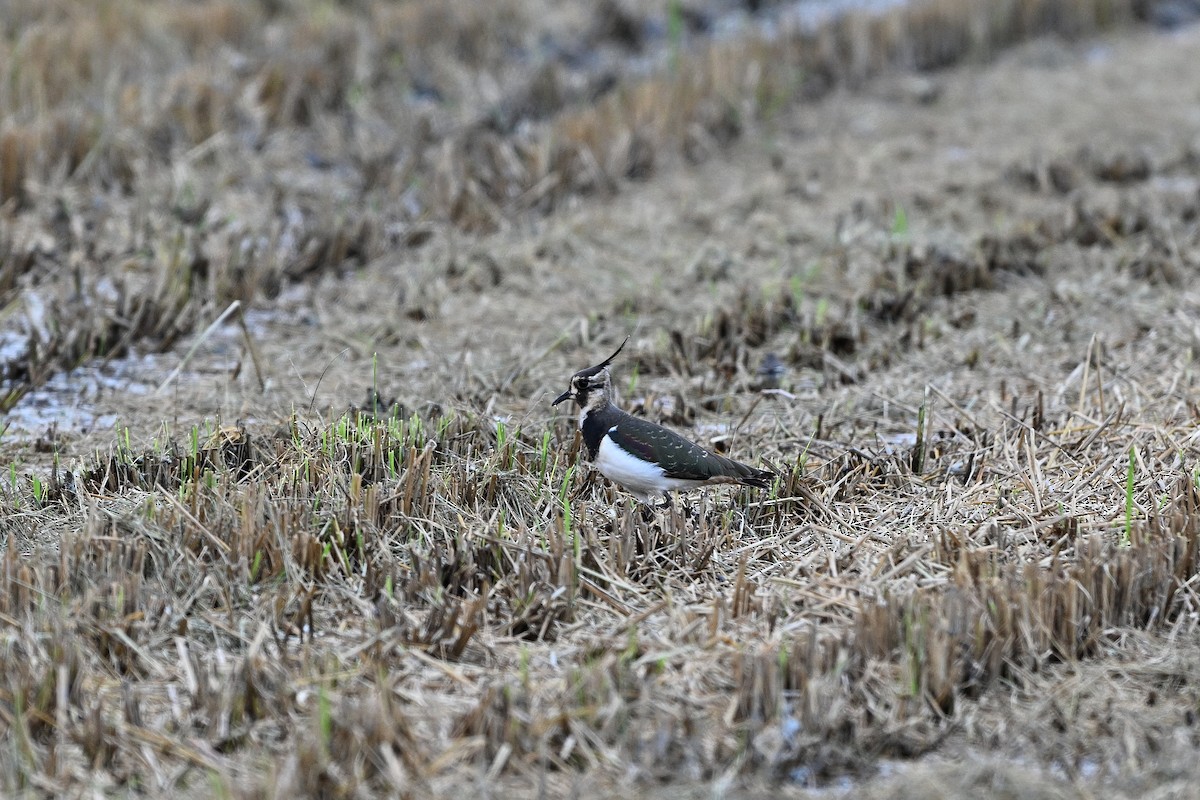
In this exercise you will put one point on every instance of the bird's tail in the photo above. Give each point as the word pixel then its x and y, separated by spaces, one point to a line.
pixel 752 476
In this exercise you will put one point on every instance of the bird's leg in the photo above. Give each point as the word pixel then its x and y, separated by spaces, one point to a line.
pixel 677 513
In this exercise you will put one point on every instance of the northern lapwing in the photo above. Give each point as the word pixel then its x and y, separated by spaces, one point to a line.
pixel 641 457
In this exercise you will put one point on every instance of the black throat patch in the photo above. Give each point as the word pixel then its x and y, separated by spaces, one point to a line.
pixel 595 426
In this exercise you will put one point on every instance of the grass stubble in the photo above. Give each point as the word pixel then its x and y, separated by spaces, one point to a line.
pixel 396 604
pixel 409 602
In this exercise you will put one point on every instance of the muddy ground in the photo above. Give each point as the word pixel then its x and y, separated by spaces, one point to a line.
pixel 983 284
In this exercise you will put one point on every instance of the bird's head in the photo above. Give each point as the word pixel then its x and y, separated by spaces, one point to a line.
pixel 591 387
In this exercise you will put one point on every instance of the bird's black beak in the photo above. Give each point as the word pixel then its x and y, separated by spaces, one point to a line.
pixel 564 396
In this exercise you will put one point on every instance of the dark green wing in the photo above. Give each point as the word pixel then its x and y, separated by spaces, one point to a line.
pixel 678 457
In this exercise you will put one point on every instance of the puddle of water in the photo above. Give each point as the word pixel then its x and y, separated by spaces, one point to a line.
pixel 810 15
pixel 12 346
pixel 804 16
pixel 68 399
pixel 899 442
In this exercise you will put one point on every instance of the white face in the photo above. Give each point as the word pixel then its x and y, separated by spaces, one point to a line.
pixel 591 391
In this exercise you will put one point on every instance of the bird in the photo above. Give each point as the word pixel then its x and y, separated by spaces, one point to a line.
pixel 643 458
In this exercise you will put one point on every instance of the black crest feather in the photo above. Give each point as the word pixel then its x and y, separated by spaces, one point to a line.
pixel 590 371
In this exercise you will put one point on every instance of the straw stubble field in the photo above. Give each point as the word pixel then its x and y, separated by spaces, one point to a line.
pixel 349 549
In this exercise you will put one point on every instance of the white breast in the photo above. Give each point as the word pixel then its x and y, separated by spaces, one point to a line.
pixel 642 478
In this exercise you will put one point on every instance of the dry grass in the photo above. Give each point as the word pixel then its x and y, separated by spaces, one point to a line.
pixel 372 605
pixel 377 605
pixel 414 600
